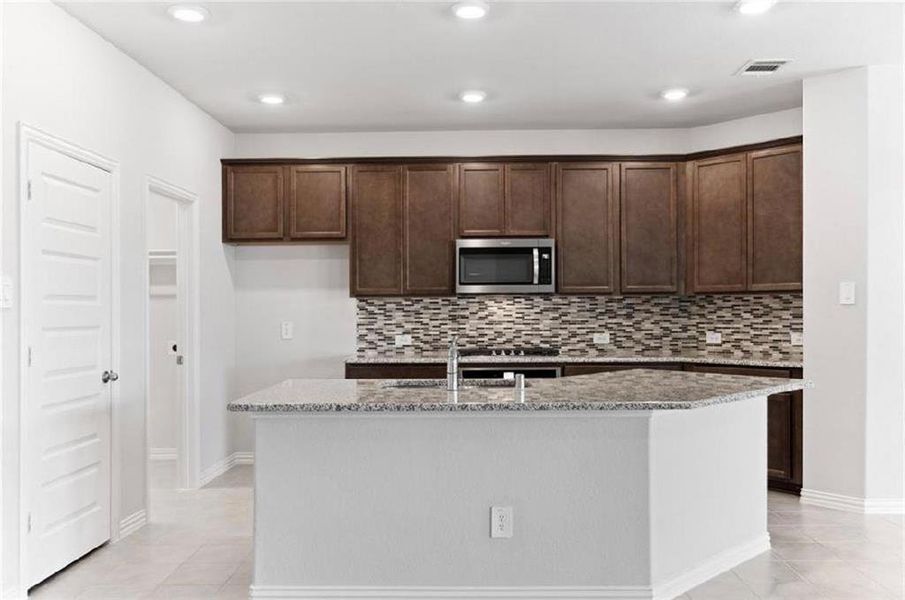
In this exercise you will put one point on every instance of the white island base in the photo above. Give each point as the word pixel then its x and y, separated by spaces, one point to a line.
pixel 607 504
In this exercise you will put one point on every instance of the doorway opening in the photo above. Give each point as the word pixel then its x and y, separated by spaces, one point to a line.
pixel 171 353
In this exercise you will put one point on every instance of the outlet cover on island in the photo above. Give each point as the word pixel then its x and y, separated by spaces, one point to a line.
pixel 403 339
pixel 714 337
pixel 501 521
pixel 601 339
pixel 286 330
pixel 796 338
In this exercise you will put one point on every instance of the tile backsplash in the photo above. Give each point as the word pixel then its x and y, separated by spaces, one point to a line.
pixel 750 324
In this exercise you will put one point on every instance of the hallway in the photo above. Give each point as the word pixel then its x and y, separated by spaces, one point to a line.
pixel 197 545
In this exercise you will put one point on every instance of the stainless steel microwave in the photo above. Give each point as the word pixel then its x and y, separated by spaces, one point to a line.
pixel 505 266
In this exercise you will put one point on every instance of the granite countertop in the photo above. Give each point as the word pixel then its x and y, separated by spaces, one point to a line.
pixel 634 389
pixel 689 357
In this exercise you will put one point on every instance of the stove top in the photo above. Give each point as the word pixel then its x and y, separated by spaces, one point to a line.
pixel 510 351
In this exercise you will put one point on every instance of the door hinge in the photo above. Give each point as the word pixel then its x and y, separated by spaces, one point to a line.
pixel 28 524
pixel 29 356
pixel 28 191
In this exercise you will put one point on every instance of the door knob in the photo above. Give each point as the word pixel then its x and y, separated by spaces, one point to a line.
pixel 109 376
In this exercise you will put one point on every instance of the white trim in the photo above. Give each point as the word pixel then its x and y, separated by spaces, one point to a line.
pixel 475 593
pixel 712 567
pixel 869 506
pixel 28 135
pixel 225 464
pixel 13 592
pixel 132 523
pixel 188 444
pixel 162 454
pixel 672 588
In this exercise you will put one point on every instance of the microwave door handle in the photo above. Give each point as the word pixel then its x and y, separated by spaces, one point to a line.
pixel 536 266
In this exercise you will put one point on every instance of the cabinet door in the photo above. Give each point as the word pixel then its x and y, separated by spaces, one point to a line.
pixel 481 200
pixel 780 428
pixel 429 196
pixel 774 219
pixel 253 203
pixel 718 221
pixel 528 199
pixel 587 217
pixel 317 202
pixel 649 227
pixel 376 258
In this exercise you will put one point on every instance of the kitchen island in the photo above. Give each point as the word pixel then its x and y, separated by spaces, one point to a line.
pixel 631 484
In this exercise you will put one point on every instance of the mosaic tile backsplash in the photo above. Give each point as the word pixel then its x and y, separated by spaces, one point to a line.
pixel 750 324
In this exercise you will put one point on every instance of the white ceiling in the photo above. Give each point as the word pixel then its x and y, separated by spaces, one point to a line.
pixel 399 66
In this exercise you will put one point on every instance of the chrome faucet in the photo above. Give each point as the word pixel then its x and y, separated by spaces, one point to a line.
pixel 452 365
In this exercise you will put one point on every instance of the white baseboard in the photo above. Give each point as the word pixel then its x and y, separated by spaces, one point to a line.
pixel 877 506
pixel 674 587
pixel 162 454
pixel 710 568
pixel 462 592
pixel 131 524
pixel 13 593
pixel 225 464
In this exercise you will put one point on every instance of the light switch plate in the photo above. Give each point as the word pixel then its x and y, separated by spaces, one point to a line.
pixel 796 338
pixel 286 332
pixel 403 339
pixel 601 339
pixel 714 337
pixel 846 292
pixel 501 521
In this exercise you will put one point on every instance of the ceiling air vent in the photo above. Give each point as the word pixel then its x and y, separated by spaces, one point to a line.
pixel 762 67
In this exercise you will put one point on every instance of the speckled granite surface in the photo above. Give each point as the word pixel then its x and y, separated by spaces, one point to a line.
pixel 634 389
pixel 689 357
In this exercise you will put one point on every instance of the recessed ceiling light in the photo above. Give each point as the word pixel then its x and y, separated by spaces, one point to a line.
pixel 674 94
pixel 472 96
pixel 754 7
pixel 470 9
pixel 272 99
pixel 188 13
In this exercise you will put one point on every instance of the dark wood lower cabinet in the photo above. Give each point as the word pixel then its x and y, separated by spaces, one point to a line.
pixel 784 411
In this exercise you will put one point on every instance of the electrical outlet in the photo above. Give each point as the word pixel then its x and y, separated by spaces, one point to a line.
pixel 796 338
pixel 501 521
pixel 714 337
pixel 601 338
pixel 846 292
pixel 403 339
pixel 286 330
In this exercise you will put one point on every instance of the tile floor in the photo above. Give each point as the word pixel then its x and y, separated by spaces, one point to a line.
pixel 198 545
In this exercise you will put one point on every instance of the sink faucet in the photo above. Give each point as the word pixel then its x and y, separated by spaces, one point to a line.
pixel 452 365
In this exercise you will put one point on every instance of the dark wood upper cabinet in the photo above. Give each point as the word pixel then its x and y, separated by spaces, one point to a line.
pixel 283 203
pixel 317 202
pixel 253 203
pixel 775 219
pixel 718 254
pixel 649 227
pixel 587 224
pixel 429 220
pixel 528 193
pixel 376 254
pixel 481 200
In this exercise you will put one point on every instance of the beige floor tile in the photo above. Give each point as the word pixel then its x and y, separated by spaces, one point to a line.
pixel 727 586
pixel 222 553
pixel 243 575
pixel 201 574
pixel 114 592
pixel 184 592
pixel 232 592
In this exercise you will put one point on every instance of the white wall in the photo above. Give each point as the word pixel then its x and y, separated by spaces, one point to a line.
pixel 853 231
pixel 308 285
pixel 66 80
pixel 759 128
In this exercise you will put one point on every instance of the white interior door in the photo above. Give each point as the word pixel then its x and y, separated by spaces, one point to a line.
pixel 67 319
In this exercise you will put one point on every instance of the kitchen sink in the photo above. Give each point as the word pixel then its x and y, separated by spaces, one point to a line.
pixel 441 383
